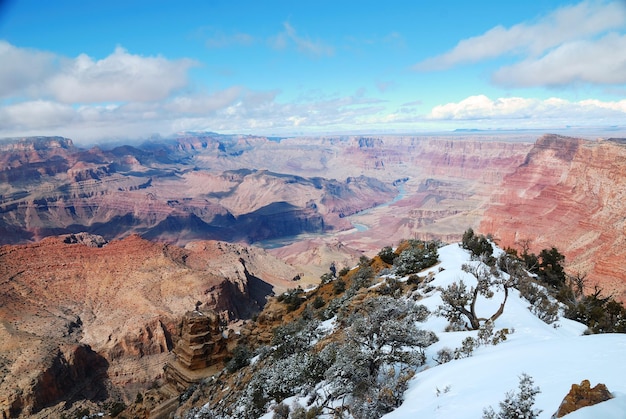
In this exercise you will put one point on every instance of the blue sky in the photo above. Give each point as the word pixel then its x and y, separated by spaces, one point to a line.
pixel 125 69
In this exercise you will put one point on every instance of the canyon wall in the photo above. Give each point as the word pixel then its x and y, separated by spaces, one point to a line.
pixel 568 193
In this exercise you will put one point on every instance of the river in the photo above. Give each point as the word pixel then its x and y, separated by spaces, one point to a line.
pixel 284 241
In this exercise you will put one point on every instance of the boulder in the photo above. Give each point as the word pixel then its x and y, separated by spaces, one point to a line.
pixel 582 396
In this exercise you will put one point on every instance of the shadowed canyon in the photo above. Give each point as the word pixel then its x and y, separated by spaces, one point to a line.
pixel 105 249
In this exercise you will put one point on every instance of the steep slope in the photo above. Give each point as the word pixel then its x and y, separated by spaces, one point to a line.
pixel 82 321
pixel 306 368
pixel 569 193
pixel 555 356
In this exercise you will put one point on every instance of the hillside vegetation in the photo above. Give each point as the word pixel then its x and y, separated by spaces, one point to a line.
pixel 359 344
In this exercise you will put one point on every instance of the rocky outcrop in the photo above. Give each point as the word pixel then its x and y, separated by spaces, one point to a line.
pixel 581 396
pixel 199 341
pixel 568 193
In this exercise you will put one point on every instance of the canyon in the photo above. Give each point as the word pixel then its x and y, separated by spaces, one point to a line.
pixel 319 200
pixel 106 248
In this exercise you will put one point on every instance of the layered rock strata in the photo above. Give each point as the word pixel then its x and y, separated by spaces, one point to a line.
pixel 568 193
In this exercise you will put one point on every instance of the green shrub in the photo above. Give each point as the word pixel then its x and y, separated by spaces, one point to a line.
pixel 387 255
pixel 240 358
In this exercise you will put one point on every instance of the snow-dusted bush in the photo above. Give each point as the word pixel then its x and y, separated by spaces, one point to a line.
pixel 444 355
pixel 293 298
pixel 417 257
pixel 517 405
pixel 295 336
pixel 478 245
pixel 541 304
pixel 387 255
pixel 240 358
pixel 383 347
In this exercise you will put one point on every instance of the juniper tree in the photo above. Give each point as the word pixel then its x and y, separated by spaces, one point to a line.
pixel 459 301
pixel 382 333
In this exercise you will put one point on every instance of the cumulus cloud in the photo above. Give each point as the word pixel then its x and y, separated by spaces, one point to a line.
pixel 36 114
pixel 303 44
pixel 570 23
pixel 236 109
pixel 119 77
pixel 601 61
pixel 201 104
pixel 23 70
pixel 481 107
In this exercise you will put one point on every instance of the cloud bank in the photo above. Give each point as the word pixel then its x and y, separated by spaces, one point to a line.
pixel 574 44
pixel 480 107
pixel 119 77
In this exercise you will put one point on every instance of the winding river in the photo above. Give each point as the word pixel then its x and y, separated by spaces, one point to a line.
pixel 284 241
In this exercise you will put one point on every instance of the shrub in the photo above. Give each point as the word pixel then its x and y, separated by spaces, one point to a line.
pixel 444 355
pixel 318 302
pixel 414 279
pixel 541 304
pixel 387 255
pixel 344 271
pixel 478 245
pixel 281 411
pixel 241 358
pixel 339 286
pixel 551 267
pixel 517 405
pixel 390 287
pixel 362 278
pixel 293 298
pixel 466 349
pixel 417 257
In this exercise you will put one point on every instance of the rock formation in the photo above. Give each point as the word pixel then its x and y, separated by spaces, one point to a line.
pixel 51 187
pixel 199 346
pixel 367 192
pixel 200 338
pixel 581 396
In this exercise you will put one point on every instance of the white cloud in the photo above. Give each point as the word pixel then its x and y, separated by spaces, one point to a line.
pixel 571 23
pixel 119 77
pixel 538 112
pixel 601 61
pixel 200 104
pixel 36 114
pixel 22 69
pixel 303 44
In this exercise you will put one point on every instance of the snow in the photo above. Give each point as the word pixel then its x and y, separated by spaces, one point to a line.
pixel 555 357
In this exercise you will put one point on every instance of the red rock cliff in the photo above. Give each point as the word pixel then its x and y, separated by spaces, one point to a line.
pixel 569 193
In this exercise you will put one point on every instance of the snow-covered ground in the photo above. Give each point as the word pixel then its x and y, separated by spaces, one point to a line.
pixel 555 357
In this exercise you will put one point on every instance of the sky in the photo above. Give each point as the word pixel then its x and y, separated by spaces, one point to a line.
pixel 94 70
